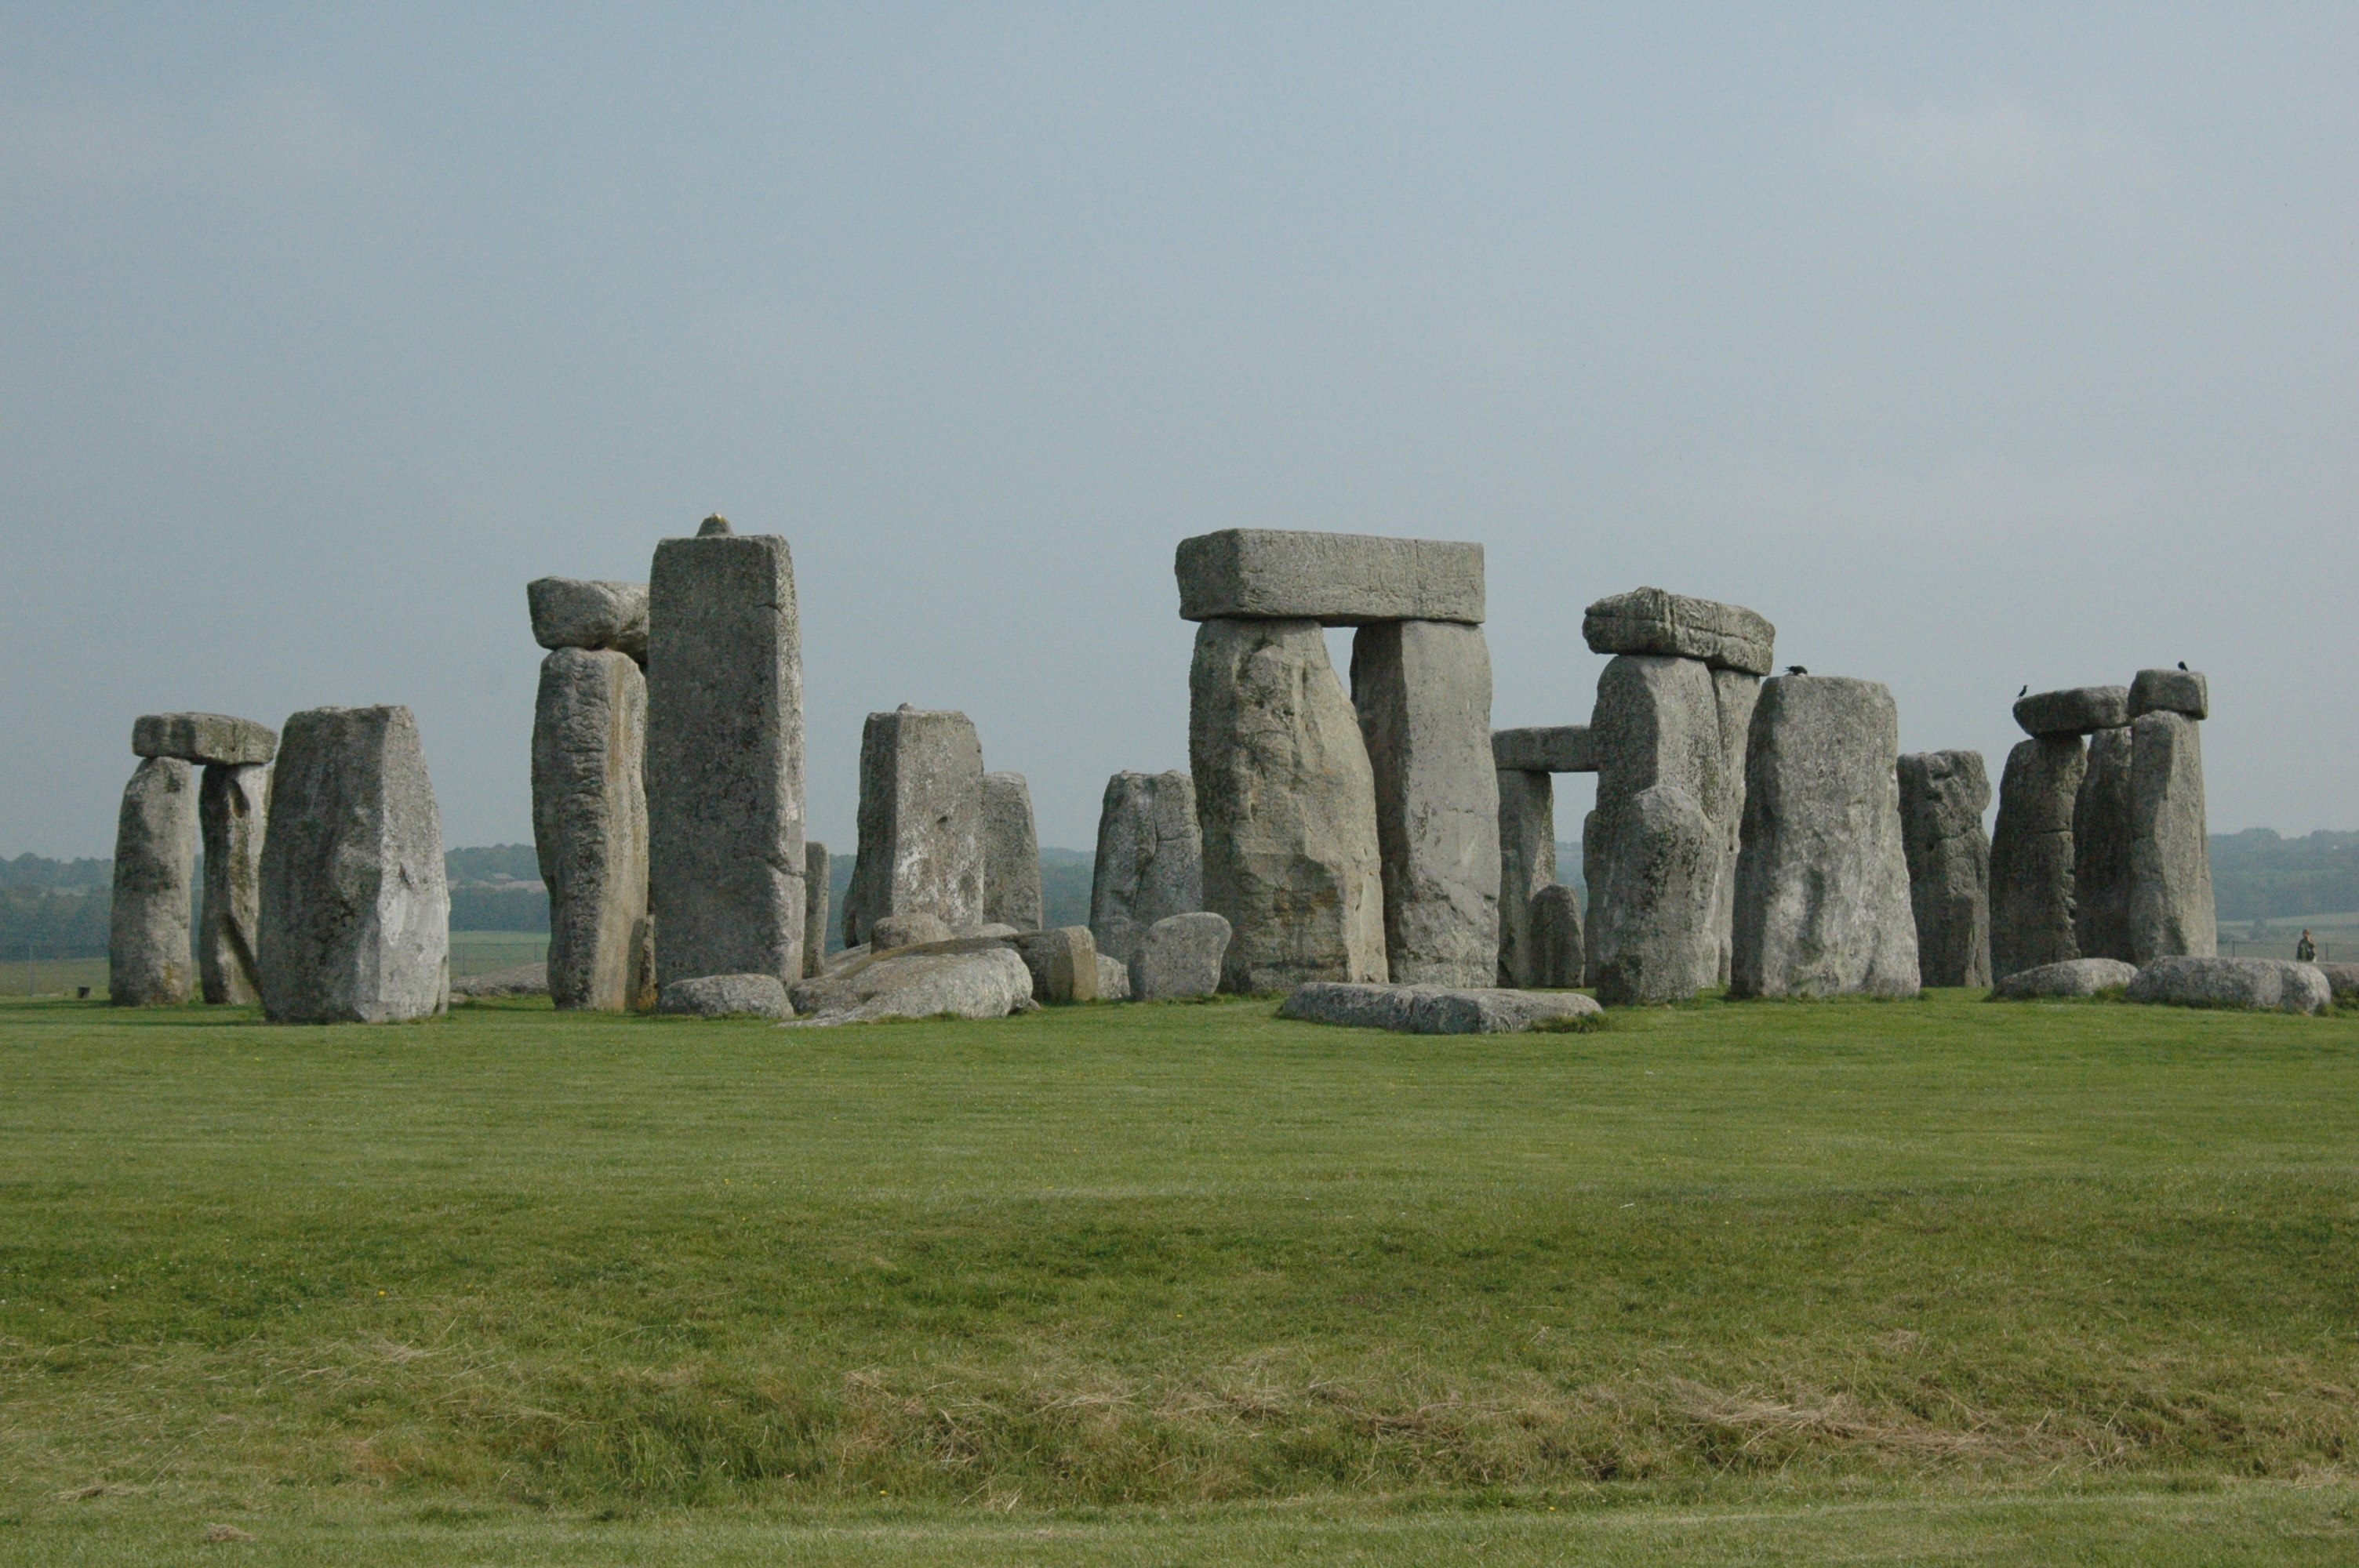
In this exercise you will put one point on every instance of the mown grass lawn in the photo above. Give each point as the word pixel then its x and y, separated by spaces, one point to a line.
pixel 1940 1280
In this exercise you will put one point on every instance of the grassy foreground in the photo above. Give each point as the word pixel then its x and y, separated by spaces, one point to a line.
pixel 1932 1281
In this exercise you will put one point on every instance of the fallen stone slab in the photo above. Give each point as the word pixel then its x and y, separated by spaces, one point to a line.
pixel 2172 909
pixel 518 979
pixel 725 996
pixel 913 929
pixel 571 612
pixel 2184 692
pixel 2074 977
pixel 2076 710
pixel 2342 979
pixel 1433 1009
pixel 1550 748
pixel 1063 963
pixel 1011 853
pixel 233 811
pixel 1649 621
pixel 921 821
pixel 1337 579
pixel 1150 858
pixel 1113 978
pixel 1942 797
pixel 154 863
pixel 590 828
pixel 2275 985
pixel 208 738
pixel 2031 904
pixel 967 978
pixel 1180 958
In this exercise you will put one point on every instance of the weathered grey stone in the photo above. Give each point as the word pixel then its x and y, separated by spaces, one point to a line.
pixel 2032 903
pixel 590 827
pixel 1287 801
pixel 355 911
pixel 232 812
pixel 148 956
pixel 570 612
pixel 1649 621
pixel 1527 865
pixel 1423 691
pixel 1431 1009
pixel 2172 909
pixel 518 979
pixel 921 821
pixel 725 996
pixel 2077 711
pixel 207 738
pixel 1822 898
pixel 1063 963
pixel 1551 749
pixel 714 527
pixel 2269 985
pixel 1341 579
pixel 1563 958
pixel 1181 957
pixel 724 758
pixel 910 930
pixel 2342 979
pixel 2100 850
pixel 2074 977
pixel 974 978
pixel 1011 853
pixel 2184 692
pixel 1113 978
pixel 816 879
pixel 1735 694
pixel 1150 858
pixel 1942 797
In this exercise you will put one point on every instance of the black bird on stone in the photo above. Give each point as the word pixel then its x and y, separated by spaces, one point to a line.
pixel 1796 670
pixel 2025 692
pixel 2182 664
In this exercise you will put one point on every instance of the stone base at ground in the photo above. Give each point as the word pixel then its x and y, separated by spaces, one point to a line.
pixel 1113 978
pixel 519 979
pixel 726 995
pixel 970 978
pixel 1181 957
pixel 1560 958
pixel 2074 977
pixel 1431 1009
pixel 2277 985
pixel 1063 963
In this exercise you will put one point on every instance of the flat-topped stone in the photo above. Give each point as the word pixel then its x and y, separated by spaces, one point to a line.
pixel 1431 1009
pixel 2170 691
pixel 1549 748
pixel 1649 621
pixel 1942 797
pixel 208 738
pixel 2074 977
pixel 1338 580
pixel 2264 985
pixel 725 996
pixel 573 612
pixel 2076 710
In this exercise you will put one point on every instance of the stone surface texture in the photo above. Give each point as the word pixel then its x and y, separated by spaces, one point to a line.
pixel 2077 711
pixel 2074 977
pixel 1113 978
pixel 1339 579
pixel 1942 797
pixel 815 882
pixel 2269 985
pixel 356 911
pixel 2100 850
pixel 205 737
pixel 590 827
pixel 921 821
pixel 2172 909
pixel 1150 858
pixel 1287 801
pixel 1431 1009
pixel 2342 978
pixel 148 961
pixel 518 979
pixel 1181 957
pixel 568 612
pixel 1649 621
pixel 1557 943
pixel 971 978
pixel 233 814
pixel 2183 692
pixel 1063 963
pixel 724 758
pixel 1554 749
pixel 2031 898
pixel 1527 865
pixel 1011 853
pixel 725 996
pixel 909 930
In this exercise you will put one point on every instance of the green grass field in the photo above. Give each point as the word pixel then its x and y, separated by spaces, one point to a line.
pixel 1936 1281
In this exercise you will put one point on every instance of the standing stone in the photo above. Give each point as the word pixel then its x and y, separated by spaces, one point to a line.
pixel 148 956
pixel 1734 692
pixel 355 911
pixel 2101 849
pixel 1179 957
pixel 233 811
pixel 1423 691
pixel 1555 937
pixel 2171 909
pixel 1526 866
pixel 1823 894
pixel 590 827
pixel 724 757
pixel 1011 853
pixel 920 822
pixel 1150 858
pixel 1287 801
pixel 1942 797
pixel 2031 856
pixel 817 877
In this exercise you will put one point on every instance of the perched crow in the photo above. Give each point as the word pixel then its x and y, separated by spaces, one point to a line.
pixel 1796 670
pixel 2182 664
pixel 2025 692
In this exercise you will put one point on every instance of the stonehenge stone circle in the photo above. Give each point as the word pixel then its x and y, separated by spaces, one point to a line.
pixel 1431 1009
pixel 1011 853
pixel 2172 909
pixel 147 952
pixel 2100 850
pixel 590 827
pixel 233 816
pixel 1555 937
pixel 215 739
pixel 2074 977
pixel 1822 895
pixel 920 822
pixel 568 612
pixel 1942 797
pixel 1063 963
pixel 1286 800
pixel 2183 692
pixel 1527 865
pixel 817 879
pixel 2078 710
pixel 1552 749
pixel 1339 579
pixel 1423 692
pixel 2031 907
pixel 1150 858
pixel 2261 984
pixel 355 911
pixel 725 996
pixel 1649 621
pixel 724 757
pixel 1179 957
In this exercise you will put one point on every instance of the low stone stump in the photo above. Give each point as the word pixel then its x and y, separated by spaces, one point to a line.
pixel 570 612
pixel 518 979
pixel 2074 977
pixel 964 977
pixel 1560 958
pixel 2267 985
pixel 1113 978
pixel 1063 963
pixel 725 996
pixel 1339 579
pixel 1011 853
pixel 1150 858
pixel 1433 1009
pixel 921 821
pixel 2077 711
pixel 155 862
pixel 1180 958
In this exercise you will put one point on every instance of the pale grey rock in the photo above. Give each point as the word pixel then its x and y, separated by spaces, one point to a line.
pixel 1433 1009
pixel 518 979
pixel 815 882
pixel 1340 579
pixel 921 821
pixel 2342 979
pixel 1181 957
pixel 1150 858
pixel 1287 801
pixel 1527 865
pixel 909 930
pixel 205 737
pixel 2269 985
pixel 1563 959
pixel 1649 621
pixel 147 955
pixel 570 612
pixel 2183 692
pixel 355 911
pixel 233 812
pixel 725 996
pixel 590 827
pixel 2074 977
pixel 724 758
pixel 2172 909
pixel 1063 963
pixel 1423 691
pixel 1822 897
pixel 2077 711
pixel 989 928
pixel 1551 749
pixel 2100 850
pixel 1011 853
pixel 1942 797
pixel 2031 895
pixel 1113 978
pixel 974 978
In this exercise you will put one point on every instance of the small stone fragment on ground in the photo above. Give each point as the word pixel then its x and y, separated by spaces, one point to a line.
pixel 1113 978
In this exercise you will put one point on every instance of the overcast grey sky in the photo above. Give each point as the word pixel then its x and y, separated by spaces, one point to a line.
pixel 1972 346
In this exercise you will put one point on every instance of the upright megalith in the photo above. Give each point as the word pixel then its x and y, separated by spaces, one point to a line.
pixel 590 827
pixel 921 847
pixel 1942 797
pixel 1150 859
pixel 2031 855
pixel 1560 961
pixel 1526 867
pixel 147 952
pixel 817 879
pixel 1423 692
pixel 2171 911
pixel 1011 853
pixel 233 804
pixel 2101 849
pixel 1822 893
pixel 355 911
pixel 724 757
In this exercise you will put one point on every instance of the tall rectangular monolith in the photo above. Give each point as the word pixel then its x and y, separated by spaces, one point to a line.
pixel 1011 853
pixel 1150 859
pixel 147 952
pixel 590 827
pixel 921 847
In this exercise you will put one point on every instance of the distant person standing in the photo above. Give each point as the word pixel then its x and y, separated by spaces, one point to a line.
pixel 2305 951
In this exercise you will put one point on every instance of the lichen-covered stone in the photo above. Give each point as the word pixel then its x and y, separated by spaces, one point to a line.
pixel 1672 625
pixel 1063 963
pixel 570 612
pixel 1433 1009
pixel 1150 858
pixel 2267 985
pixel 233 816
pixel 2183 692
pixel 921 821
pixel 1181 957
pixel 206 738
pixel 590 827
pixel 1527 865
pixel 1340 579
pixel 1113 978
pixel 816 881
pixel 2076 710
pixel 148 961
pixel 1942 797
pixel 1011 853
pixel 2172 909
pixel 2342 979
pixel 2031 855
pixel 2074 977
pixel 910 930
pixel 725 996
pixel 2100 850
pixel 974 978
